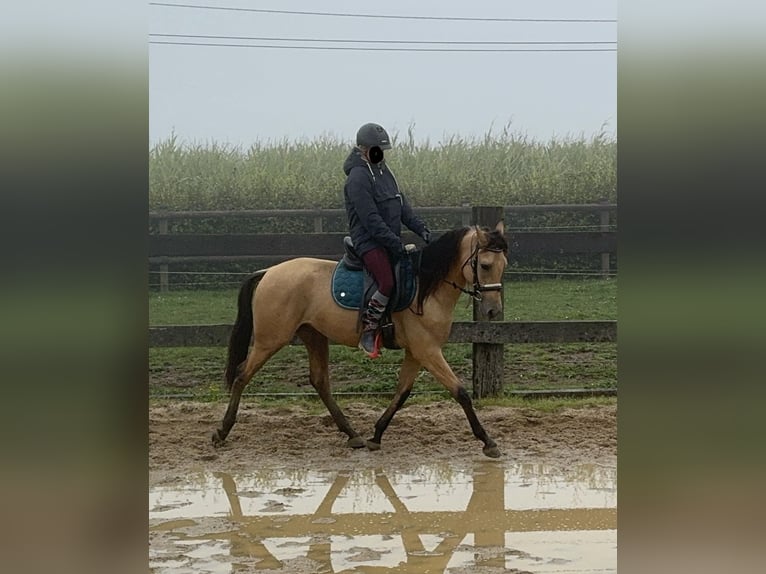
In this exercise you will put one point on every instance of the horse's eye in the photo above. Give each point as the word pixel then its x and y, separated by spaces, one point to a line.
pixel 486 267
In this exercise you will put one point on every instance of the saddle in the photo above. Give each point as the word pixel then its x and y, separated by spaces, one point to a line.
pixel 353 285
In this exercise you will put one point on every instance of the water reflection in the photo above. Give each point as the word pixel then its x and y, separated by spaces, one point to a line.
pixel 529 517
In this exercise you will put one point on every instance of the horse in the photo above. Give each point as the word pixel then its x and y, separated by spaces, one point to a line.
pixel 294 298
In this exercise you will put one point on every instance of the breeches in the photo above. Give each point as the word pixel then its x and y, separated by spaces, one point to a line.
pixel 379 265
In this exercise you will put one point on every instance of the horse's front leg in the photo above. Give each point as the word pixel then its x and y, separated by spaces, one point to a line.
pixel 437 365
pixel 407 374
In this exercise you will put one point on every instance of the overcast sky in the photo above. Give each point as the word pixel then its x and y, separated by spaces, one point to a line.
pixel 239 95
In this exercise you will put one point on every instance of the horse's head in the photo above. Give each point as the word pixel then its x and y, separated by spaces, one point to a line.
pixel 484 271
pixel 470 259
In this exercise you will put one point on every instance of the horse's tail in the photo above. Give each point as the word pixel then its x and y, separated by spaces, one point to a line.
pixel 239 341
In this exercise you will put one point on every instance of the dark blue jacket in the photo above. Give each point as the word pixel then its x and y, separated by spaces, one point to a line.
pixel 375 207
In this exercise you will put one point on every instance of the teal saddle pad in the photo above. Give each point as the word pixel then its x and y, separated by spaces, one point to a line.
pixel 348 286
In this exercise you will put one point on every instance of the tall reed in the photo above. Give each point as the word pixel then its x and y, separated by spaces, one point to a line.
pixel 496 169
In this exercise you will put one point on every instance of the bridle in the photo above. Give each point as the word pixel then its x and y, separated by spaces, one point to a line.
pixel 478 288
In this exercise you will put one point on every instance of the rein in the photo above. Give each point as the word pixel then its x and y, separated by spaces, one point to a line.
pixel 478 288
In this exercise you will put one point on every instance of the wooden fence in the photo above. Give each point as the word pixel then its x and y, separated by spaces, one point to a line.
pixel 494 332
pixel 487 337
pixel 174 248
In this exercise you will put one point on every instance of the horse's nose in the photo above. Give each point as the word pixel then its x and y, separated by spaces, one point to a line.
pixel 492 312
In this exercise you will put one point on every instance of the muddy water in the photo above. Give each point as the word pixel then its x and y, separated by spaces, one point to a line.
pixel 441 519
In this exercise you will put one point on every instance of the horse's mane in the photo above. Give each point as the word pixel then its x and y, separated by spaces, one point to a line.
pixel 435 262
pixel 436 259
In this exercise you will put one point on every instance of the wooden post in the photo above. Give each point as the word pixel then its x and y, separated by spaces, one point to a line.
pixel 487 357
pixel 465 219
pixel 318 228
pixel 164 284
pixel 605 227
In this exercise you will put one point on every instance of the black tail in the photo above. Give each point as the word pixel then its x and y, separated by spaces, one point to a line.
pixel 239 342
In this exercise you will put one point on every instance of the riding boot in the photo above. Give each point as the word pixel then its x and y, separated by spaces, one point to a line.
pixel 370 341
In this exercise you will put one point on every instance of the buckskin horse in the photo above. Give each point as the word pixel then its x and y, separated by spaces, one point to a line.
pixel 294 298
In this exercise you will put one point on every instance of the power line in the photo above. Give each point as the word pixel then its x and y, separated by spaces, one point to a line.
pixel 371 49
pixel 383 16
pixel 350 41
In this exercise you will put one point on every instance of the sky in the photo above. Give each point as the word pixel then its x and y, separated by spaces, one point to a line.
pixel 240 95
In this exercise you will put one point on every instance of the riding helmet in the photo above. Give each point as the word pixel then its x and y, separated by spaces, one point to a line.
pixel 370 135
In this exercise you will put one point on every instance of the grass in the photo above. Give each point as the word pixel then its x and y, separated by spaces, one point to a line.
pixel 193 307
pixel 543 300
pixel 312 405
pixel 197 372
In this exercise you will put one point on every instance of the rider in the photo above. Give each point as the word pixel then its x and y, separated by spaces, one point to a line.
pixel 376 210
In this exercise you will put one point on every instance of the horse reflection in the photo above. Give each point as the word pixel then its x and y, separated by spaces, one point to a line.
pixel 385 541
pixel 432 519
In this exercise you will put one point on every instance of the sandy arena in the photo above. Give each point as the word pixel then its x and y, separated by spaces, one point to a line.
pixel 285 494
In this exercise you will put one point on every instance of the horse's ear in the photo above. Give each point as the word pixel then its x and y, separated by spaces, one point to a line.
pixel 500 227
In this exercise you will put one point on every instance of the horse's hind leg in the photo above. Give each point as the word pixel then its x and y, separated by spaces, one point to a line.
pixel 255 360
pixel 318 348
pixel 407 374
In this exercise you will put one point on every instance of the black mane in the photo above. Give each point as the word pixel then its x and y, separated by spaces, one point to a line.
pixel 437 258
pixel 435 262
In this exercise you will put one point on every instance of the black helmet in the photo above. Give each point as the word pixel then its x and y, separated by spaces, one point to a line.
pixel 371 135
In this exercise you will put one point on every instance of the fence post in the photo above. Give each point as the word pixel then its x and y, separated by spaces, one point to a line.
pixel 318 228
pixel 465 218
pixel 488 360
pixel 604 227
pixel 164 284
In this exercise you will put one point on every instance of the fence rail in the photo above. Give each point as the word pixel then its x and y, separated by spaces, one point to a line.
pixel 462 332
pixel 464 210
pixel 213 247
pixel 486 381
pixel 167 248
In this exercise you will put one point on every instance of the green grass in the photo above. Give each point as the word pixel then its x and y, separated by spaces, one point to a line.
pixel 543 300
pixel 312 405
pixel 193 307
pixel 198 372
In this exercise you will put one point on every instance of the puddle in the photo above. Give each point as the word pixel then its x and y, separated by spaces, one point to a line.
pixel 523 518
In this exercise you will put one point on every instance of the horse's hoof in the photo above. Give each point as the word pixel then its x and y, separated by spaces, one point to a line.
pixel 216 438
pixel 356 442
pixel 491 451
pixel 373 445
